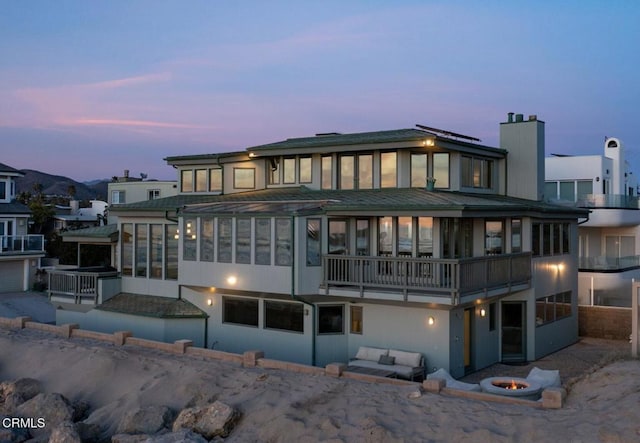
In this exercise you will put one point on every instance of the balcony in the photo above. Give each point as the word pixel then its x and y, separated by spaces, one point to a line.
pixel 608 201
pixel 21 244
pixel 83 285
pixel 602 263
pixel 444 281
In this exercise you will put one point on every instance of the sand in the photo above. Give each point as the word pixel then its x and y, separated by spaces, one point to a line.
pixel 280 406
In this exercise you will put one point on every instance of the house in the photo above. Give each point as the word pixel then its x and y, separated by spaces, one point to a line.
pixel 20 252
pixel 75 217
pixel 416 239
pixel 609 241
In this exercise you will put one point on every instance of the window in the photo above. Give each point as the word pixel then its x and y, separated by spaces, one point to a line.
pixel 305 170
pixel 362 237
pixel 243 240
pixel 493 237
pixel 475 172
pixel 405 236
pixel 338 237
pixel 224 240
pixel 263 241
pixel 556 239
pixel 365 171
pixel 189 240
pixel 385 234
pixel 240 311
pixel 313 242
pixel 289 171
pixel 418 170
pixel 118 197
pixel 274 176
pixel 546 239
pixel 127 249
pixel 326 173
pixel 155 251
pixel 171 252
pixel 346 175
pixel 441 169
pixel 206 239
pixel 244 178
pixel 215 180
pixel 456 237
pixel 331 319
pixel 201 180
pixel 153 194
pixel 584 188
pixel 516 235
pixel 550 239
pixel 553 308
pixel 186 181
pixel 425 236
pixel 388 170
pixel 567 191
pixel 356 319
pixel 551 190
pixel 283 242
pixel 3 191
pixel 141 250
pixel 492 317
pixel 284 316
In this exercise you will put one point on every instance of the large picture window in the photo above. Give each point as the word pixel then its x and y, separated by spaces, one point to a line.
pixel 189 240
pixel 553 308
pixel 347 168
pixel 201 180
pixel 244 178
pixel 127 249
pixel 155 250
pixel 215 180
pixel 240 311
pixel 356 319
pixel 516 235
pixel 284 316
pixel 326 172
pixel 206 239
pixel 141 250
pixel 186 180
pixel 418 170
pixel 493 237
pixel 388 170
pixel 305 169
pixel 289 171
pixel 313 242
pixel 171 252
pixel 283 242
pixel 365 171
pixel 441 169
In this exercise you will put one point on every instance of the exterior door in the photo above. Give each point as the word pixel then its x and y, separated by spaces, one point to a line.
pixel 468 340
pixel 513 332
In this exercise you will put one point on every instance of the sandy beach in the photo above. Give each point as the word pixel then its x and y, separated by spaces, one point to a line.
pixel 281 406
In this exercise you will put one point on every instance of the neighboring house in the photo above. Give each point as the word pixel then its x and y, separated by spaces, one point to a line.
pixel 609 241
pixel 74 217
pixel 415 239
pixel 20 252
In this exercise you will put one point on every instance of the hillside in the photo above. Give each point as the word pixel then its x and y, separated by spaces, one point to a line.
pixel 59 185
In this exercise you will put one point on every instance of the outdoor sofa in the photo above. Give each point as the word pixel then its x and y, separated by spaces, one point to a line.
pixel 407 365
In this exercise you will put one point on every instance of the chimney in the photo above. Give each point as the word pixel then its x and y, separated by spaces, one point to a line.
pixel 524 144
pixel 126 173
pixel 510 117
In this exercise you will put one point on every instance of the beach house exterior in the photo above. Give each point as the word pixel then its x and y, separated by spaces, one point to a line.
pixel 609 241
pixel 419 239
pixel 20 252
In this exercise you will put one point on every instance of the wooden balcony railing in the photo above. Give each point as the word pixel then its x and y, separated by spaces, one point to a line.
pixel 437 277
pixel 78 286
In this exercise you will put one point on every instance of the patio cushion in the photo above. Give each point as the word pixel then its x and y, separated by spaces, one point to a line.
pixel 372 354
pixel 545 377
pixel 451 382
pixel 403 358
pixel 387 360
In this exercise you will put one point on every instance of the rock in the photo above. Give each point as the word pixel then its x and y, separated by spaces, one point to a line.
pixel 183 435
pixel 65 432
pixel 127 438
pixel 89 432
pixel 14 393
pixel 12 434
pixel 216 419
pixel 80 410
pixel 52 409
pixel 147 420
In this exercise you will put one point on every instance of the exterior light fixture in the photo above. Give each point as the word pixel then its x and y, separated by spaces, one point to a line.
pixel 177 234
pixel 209 302
pixel 232 280
pixel 431 321
pixel 483 312
pixel 252 154
pixel 429 142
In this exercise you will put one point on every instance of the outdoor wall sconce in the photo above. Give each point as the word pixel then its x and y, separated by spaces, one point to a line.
pixel 177 234
pixel 209 302
pixel 429 142
pixel 431 321
pixel 597 179
pixel 483 312
pixel 232 280
pixel 306 312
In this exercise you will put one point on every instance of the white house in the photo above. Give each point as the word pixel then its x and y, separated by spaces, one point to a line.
pixel 609 241
pixel 20 252
pixel 421 240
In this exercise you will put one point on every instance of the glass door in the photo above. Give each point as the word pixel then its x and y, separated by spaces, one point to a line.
pixel 513 332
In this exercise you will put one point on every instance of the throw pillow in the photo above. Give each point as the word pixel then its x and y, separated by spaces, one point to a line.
pixel 386 360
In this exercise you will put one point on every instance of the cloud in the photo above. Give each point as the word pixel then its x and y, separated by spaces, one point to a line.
pixel 135 123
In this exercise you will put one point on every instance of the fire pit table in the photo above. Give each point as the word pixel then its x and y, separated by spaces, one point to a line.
pixel 512 387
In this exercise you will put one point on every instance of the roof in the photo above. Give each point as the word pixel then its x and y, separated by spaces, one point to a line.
pixel 292 201
pixel 151 306
pixel 14 208
pixel 8 169
pixel 390 136
pixel 107 231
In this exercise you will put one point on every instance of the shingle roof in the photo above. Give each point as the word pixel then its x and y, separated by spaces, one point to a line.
pixel 14 208
pixel 95 232
pixel 151 306
pixel 6 168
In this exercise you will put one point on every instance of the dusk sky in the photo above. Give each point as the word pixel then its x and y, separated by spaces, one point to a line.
pixel 88 88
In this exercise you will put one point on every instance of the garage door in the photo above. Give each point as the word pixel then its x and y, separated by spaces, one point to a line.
pixel 11 276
